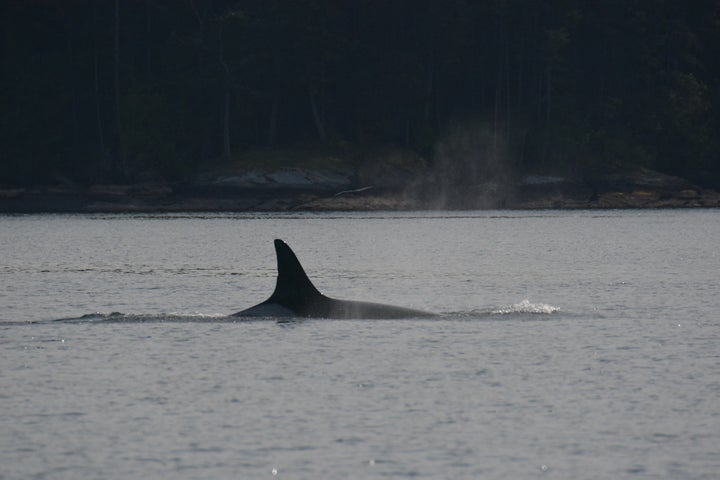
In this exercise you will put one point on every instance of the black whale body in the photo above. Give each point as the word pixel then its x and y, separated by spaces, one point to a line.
pixel 296 296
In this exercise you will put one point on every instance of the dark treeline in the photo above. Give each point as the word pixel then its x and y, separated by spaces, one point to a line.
pixel 122 91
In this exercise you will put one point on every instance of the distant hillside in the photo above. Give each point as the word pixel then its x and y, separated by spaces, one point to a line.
pixel 129 92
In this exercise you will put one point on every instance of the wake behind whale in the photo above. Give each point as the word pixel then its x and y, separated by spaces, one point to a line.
pixel 523 311
pixel 295 297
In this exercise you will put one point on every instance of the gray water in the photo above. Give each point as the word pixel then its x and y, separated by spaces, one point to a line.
pixel 569 345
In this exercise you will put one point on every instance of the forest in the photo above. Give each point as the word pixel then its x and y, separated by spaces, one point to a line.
pixel 152 90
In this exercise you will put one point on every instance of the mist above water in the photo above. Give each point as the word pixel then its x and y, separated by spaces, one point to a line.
pixel 471 169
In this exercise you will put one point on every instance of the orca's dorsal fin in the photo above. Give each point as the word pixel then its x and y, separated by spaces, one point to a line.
pixel 293 287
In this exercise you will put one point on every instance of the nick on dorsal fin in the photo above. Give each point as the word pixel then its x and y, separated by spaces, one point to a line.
pixel 295 295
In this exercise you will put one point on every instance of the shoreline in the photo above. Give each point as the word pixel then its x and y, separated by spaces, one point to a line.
pixel 343 189
pixel 164 198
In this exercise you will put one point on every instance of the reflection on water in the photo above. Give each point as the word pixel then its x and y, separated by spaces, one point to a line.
pixel 519 310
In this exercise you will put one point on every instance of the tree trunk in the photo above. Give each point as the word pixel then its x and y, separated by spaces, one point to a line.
pixel 272 127
pixel 227 153
pixel 429 87
pixel 548 116
pixel 226 125
pixel 318 115
pixel 508 92
pixel 148 41
pixel 73 89
pixel 496 114
pixel 98 114
pixel 116 74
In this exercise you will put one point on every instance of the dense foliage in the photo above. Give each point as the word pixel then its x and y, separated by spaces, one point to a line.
pixel 131 90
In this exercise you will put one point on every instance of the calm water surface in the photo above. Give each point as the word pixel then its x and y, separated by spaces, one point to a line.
pixel 569 345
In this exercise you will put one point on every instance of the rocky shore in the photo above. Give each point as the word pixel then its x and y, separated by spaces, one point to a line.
pixel 295 189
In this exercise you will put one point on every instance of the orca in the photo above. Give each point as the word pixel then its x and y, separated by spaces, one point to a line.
pixel 296 296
